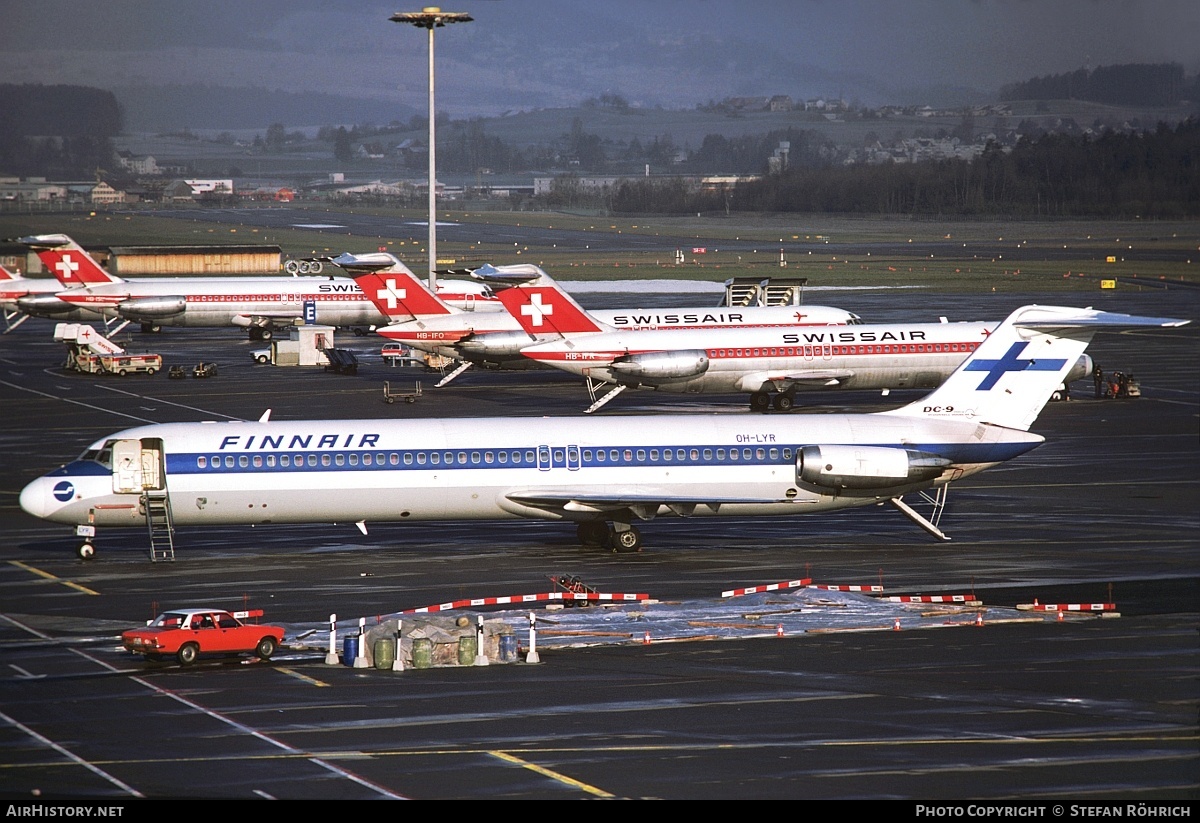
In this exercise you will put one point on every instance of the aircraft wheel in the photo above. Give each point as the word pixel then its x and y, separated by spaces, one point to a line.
pixel 188 653
pixel 783 402
pixel 594 533
pixel 86 550
pixel 629 540
pixel 265 648
pixel 266 334
pixel 760 401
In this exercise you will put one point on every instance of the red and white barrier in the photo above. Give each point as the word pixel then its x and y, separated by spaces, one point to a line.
pixel 931 598
pixel 832 588
pixel 1067 607
pixel 518 599
pixel 770 587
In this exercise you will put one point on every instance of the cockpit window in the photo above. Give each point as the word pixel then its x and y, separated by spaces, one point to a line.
pixel 101 455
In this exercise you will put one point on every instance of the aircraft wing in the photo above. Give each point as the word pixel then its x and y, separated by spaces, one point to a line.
pixel 817 376
pixel 642 501
pixel 274 314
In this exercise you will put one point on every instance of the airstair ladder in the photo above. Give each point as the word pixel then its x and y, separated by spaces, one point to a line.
pixel 157 506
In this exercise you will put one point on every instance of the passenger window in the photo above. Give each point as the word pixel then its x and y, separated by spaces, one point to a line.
pixel 201 462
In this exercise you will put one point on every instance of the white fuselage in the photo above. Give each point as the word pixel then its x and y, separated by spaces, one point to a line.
pixel 897 356
pixel 207 302
pixel 497 468
pixel 478 336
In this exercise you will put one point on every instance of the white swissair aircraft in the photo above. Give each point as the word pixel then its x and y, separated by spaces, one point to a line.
pixel 428 323
pixel 24 297
pixel 769 363
pixel 593 471
pixel 255 303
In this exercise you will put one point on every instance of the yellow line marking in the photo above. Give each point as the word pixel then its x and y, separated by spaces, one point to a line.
pixel 49 576
pixel 299 676
pixel 551 774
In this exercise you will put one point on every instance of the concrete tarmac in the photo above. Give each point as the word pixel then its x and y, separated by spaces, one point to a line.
pixel 1085 710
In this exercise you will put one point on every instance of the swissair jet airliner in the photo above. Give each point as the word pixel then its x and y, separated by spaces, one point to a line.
pixel 423 321
pixel 255 303
pixel 769 363
pixel 25 297
pixel 602 473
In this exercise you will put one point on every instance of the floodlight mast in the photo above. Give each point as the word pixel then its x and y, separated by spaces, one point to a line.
pixel 431 17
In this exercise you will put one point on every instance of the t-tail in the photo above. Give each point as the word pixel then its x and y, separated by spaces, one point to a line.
pixel 67 260
pixel 401 297
pixel 1013 374
pixel 536 301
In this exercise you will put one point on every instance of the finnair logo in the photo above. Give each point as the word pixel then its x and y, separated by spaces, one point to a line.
pixel 1010 362
pixel 390 294
pixel 67 267
pixel 64 491
pixel 536 311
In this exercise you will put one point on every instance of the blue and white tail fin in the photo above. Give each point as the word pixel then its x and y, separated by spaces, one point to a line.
pixel 1012 375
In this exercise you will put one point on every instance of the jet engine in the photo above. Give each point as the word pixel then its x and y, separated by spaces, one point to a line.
pixel 865 467
pixel 40 305
pixel 494 344
pixel 151 308
pixel 667 365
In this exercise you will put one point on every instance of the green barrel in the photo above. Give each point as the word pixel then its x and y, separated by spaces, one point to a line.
pixel 466 650
pixel 385 653
pixel 422 648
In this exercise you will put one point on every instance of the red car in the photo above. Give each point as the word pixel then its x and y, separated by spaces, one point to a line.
pixel 189 633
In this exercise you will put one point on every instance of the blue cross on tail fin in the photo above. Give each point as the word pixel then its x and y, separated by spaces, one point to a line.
pixel 1011 376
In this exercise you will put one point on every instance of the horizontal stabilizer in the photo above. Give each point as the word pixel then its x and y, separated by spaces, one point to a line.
pixel 1011 376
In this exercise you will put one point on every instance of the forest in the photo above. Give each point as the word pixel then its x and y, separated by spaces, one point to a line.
pixel 1150 174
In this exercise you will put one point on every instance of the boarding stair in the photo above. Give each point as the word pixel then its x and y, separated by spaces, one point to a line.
pixel 157 506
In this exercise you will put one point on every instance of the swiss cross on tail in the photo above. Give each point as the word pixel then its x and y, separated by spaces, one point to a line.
pixel 63 266
pixel 400 294
pixel 543 310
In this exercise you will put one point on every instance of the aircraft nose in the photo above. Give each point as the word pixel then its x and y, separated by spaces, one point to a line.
pixel 38 499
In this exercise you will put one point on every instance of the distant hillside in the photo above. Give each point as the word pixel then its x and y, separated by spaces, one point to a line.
pixel 176 107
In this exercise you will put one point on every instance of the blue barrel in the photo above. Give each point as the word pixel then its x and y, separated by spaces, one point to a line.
pixel 508 648
pixel 349 649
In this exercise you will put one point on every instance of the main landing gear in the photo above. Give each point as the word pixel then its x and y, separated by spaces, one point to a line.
pixel 620 537
pixel 760 401
pixel 257 333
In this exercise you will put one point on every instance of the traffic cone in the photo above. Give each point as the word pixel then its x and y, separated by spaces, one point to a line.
pixel 1060 617
pixel 779 630
pixel 646 639
pixel 896 625
pixel 978 618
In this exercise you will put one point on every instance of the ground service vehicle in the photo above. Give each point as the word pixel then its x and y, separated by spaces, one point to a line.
pixel 189 633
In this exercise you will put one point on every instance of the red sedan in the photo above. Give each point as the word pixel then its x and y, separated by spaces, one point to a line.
pixel 189 633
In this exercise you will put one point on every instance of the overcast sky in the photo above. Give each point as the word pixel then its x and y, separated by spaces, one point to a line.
pixel 526 54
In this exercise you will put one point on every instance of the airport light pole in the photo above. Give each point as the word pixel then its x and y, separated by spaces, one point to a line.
pixel 431 17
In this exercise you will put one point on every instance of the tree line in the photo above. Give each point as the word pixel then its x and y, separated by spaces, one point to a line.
pixel 1131 84
pixel 1151 174
pixel 57 131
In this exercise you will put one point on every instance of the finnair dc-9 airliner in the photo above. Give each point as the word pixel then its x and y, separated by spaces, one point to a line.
pixel 601 473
